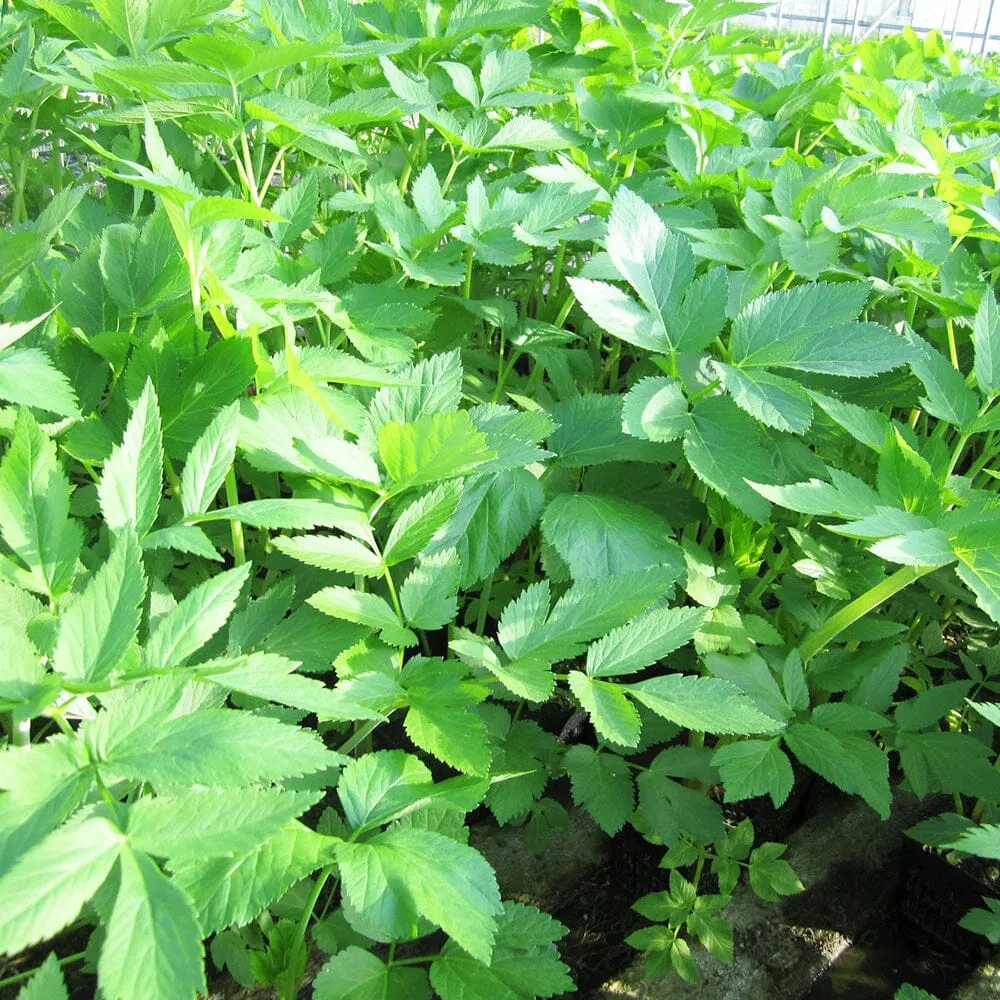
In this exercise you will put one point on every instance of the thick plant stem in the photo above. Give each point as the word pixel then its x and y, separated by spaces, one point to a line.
pixel 860 607
pixel 467 284
pixel 232 499
pixel 21 734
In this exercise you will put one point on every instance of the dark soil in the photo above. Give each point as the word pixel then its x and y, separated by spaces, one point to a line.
pixel 599 912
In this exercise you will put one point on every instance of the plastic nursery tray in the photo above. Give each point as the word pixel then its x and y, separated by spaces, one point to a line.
pixel 935 894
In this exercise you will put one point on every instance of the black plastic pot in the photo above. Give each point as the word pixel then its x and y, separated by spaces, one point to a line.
pixel 935 894
pixel 770 823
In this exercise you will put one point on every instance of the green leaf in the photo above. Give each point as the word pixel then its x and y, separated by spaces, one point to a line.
pixel 655 409
pixel 356 974
pixel 281 514
pixel 11 333
pixel 213 380
pixel 122 278
pixel 234 890
pixel 526 132
pixel 714 932
pixel 431 205
pixel 602 784
pixel 49 884
pixel 658 264
pixel 752 675
pixel 28 378
pixel 704 704
pixel 673 810
pixel 401 874
pixel 181 538
pixel 809 254
pixel 210 748
pixel 503 70
pixel 852 763
pixel 984 921
pixel 643 641
pixel 793 316
pixel 986 341
pixel 131 484
pixel 905 479
pixel 948 397
pixel 602 536
pixel 436 447
pixel 183 630
pixel 34 509
pixel 297 205
pixel 153 946
pixel 418 522
pixel 771 877
pixel 587 610
pixel 773 400
pixel 790 330
pixel 380 785
pixel 429 594
pixel 441 717
pixel 96 630
pixel 725 447
pixel 589 432
pixel 272 677
pixel 207 823
pixel 948 762
pixel 754 767
pixel 527 678
pixel 493 517
pixel 612 714
pixel 363 609
pixel 525 963
pixel 331 552
pixel 926 547
pixel 47 983
pixel 869 427
pixel 209 461
pixel 619 314
pixel 979 570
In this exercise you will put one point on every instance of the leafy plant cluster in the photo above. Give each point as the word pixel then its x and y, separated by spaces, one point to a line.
pixel 384 379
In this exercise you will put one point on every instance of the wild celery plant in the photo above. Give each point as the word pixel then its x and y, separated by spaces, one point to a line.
pixel 381 373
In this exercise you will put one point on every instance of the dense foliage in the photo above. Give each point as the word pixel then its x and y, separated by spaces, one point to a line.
pixel 385 380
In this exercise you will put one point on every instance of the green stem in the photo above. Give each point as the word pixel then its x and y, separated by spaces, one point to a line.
pixel 456 162
pixel 360 735
pixel 557 269
pixel 564 310
pixel 21 976
pixel 395 597
pixel 172 477
pixel 232 499
pixel 484 603
pixel 249 174
pixel 952 346
pixel 18 213
pixel 704 391
pixel 307 912
pixel 957 454
pixel 860 607
pixel 20 734
pixel 467 286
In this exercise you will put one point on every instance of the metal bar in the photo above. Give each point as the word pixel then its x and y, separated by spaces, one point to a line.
pixel 813 22
pixel 827 23
pixel 854 23
pixel 877 23
pixel 986 29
